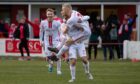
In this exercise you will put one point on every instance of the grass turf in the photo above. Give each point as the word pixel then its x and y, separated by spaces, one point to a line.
pixel 36 72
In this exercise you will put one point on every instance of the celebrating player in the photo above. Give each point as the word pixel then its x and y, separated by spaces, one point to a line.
pixel 49 36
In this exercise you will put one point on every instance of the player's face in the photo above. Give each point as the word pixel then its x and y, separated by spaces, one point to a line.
pixel 64 11
pixel 50 15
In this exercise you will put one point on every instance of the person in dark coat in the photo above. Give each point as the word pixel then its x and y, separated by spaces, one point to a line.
pixel 114 38
pixel 105 42
pixel 22 32
pixel 95 32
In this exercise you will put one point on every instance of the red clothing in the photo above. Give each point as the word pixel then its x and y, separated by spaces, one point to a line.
pixel 35 28
pixel 11 30
pixel 121 29
pixel 58 19
pixel 21 32
pixel 50 36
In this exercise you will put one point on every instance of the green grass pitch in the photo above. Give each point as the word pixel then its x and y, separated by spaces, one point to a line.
pixel 36 72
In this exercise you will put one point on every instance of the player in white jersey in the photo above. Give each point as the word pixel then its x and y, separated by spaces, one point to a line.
pixel 80 32
pixel 73 44
pixel 49 37
pixel 79 47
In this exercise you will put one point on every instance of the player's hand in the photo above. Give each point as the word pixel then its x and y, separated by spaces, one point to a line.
pixel 69 41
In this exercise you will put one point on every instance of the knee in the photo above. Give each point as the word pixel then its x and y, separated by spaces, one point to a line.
pixel 84 60
pixel 73 62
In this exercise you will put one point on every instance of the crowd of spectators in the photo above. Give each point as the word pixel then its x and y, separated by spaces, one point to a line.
pixel 113 32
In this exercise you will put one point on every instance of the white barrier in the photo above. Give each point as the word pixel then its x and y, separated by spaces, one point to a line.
pixel 131 50
pixel 9 47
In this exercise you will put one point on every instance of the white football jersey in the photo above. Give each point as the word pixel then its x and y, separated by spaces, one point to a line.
pixel 50 30
pixel 75 17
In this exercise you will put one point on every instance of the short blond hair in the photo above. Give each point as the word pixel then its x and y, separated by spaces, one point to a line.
pixel 68 5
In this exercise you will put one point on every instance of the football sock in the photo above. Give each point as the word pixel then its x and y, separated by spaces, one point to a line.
pixel 72 70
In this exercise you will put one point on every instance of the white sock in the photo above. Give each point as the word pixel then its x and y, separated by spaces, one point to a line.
pixel 50 64
pixel 86 67
pixel 72 70
pixel 59 65
pixel 62 50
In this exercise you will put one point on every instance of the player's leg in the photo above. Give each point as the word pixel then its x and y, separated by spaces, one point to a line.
pixel 82 37
pixel 65 47
pixel 62 51
pixel 60 48
pixel 72 57
pixel 62 42
pixel 48 57
pixel 83 55
pixel 59 67
pixel 72 69
pixel 55 43
pixel 86 67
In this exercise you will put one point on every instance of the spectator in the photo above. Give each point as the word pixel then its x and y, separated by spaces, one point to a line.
pixel 12 30
pixel 35 26
pixel 114 38
pixel 112 19
pixel 22 32
pixel 2 29
pixel 124 32
pixel 95 29
pixel 130 21
pixel 7 27
pixel 105 40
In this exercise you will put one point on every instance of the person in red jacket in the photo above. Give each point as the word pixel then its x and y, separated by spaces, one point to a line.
pixel 12 30
pixel 35 26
